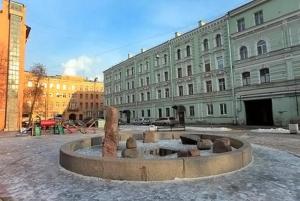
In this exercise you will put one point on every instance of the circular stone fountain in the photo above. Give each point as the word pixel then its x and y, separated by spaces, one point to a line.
pixel 153 168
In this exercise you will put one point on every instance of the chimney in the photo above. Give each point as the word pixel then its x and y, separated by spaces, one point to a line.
pixel 177 34
pixel 201 23
pixel 142 50
pixel 129 55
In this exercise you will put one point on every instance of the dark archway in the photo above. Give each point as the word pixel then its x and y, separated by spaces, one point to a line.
pixel 72 116
pixel 80 117
pixel 127 113
pixel 180 110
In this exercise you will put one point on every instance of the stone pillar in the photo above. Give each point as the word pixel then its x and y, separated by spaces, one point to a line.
pixel 110 142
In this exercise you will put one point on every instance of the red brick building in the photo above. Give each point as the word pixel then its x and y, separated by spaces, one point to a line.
pixel 13 36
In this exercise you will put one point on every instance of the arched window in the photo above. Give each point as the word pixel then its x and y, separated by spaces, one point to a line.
pixel 218 40
pixel 178 54
pixel 261 47
pixel 205 44
pixel 264 75
pixel 188 51
pixel 243 52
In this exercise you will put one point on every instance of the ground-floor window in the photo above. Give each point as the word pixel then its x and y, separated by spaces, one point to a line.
pixel 143 113
pixel 192 111
pixel 167 112
pixel 223 109
pixel 149 113
pixel 159 113
pixel 210 109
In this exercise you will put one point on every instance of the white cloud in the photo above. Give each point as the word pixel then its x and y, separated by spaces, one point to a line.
pixel 83 66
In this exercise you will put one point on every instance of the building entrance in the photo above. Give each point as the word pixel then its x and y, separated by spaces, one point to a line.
pixel 259 112
pixel 72 117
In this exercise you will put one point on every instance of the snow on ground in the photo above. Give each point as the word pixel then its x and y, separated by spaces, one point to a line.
pixel 29 170
pixel 271 130
pixel 213 129
pixel 194 128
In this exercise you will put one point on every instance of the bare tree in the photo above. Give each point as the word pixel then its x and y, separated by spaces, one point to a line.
pixel 35 93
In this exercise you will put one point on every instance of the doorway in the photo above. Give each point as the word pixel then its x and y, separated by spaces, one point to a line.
pixel 259 112
pixel 72 117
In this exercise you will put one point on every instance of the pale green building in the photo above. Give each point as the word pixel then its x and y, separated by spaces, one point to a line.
pixel 241 68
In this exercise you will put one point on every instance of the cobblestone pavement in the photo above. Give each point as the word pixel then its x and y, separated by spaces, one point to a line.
pixel 29 170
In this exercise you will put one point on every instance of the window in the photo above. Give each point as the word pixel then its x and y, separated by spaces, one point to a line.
pixel 141 68
pixel 87 105
pixel 167 112
pixel 147 81
pixel 205 44
pixel 191 89
pixel 207 66
pixel 133 114
pixel 179 72
pixel 259 17
pixel 143 113
pixel 147 65
pixel 180 90
pixel 189 70
pixel 218 40
pixel 128 85
pixel 158 77
pixel 261 47
pixel 222 84
pixel 159 113
pixel 167 92
pixel 142 82
pixel 223 109
pixel 86 96
pixel 133 98
pixel 92 96
pixel 264 75
pixel 192 111
pixel 132 84
pixel 148 96
pixel 220 63
pixel 246 78
pixel 128 99
pixel 132 70
pixel 159 94
pixel 241 24
pixel 210 109
pixel 57 86
pixel 142 96
pixel 166 76
pixel 188 51
pixel 127 72
pixel 80 96
pixel 208 86
pixel 165 59
pixel 157 60
pixel 149 113
pixel 178 54
pixel 243 53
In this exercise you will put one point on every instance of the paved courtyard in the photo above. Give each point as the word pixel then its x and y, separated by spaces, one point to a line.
pixel 29 170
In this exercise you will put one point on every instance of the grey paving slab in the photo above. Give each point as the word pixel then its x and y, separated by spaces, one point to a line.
pixel 29 170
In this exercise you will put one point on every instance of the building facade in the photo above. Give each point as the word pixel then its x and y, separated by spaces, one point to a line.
pixel 71 97
pixel 13 36
pixel 241 68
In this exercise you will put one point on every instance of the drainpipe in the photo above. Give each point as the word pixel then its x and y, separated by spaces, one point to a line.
pixel 231 72
pixel 171 70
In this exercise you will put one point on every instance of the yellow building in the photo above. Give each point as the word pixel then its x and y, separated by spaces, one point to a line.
pixel 72 97
pixel 13 35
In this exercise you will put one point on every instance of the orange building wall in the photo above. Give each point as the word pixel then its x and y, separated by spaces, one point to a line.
pixel 11 121
pixel 57 101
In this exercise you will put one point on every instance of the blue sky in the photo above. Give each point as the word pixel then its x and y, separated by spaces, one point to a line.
pixel 87 37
